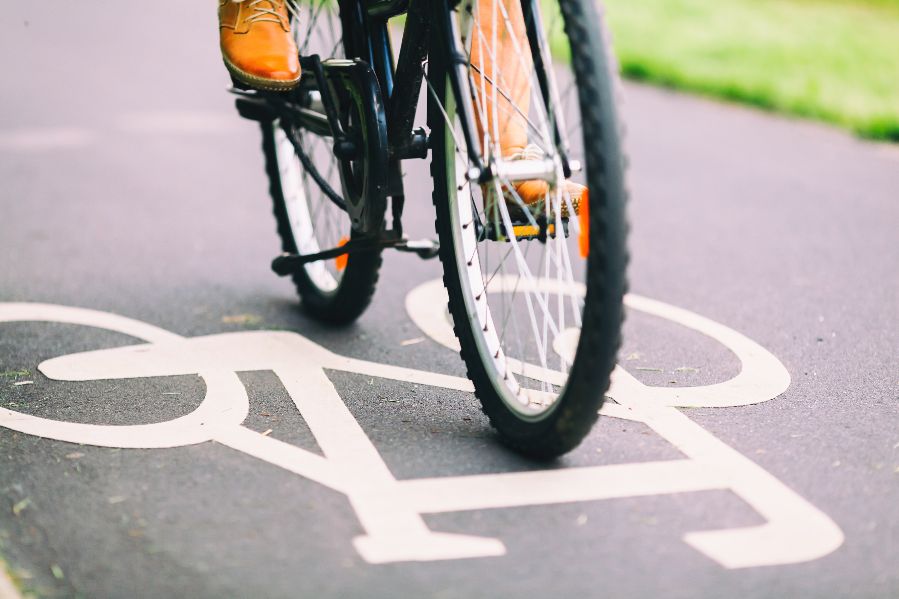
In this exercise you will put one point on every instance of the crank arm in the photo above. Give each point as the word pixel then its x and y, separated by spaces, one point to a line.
pixel 265 106
pixel 287 264
pixel 424 248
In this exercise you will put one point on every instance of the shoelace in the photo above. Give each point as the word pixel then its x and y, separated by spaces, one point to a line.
pixel 531 152
pixel 262 13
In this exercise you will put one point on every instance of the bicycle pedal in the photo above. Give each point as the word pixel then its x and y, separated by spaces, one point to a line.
pixel 523 231
pixel 424 248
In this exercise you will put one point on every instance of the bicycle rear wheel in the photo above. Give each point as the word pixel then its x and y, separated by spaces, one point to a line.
pixel 309 221
pixel 538 324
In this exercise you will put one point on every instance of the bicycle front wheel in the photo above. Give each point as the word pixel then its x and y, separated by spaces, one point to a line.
pixel 535 292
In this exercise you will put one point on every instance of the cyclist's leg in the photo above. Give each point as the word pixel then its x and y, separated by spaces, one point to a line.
pixel 500 55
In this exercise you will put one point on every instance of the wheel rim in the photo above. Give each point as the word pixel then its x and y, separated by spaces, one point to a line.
pixel 524 297
pixel 314 221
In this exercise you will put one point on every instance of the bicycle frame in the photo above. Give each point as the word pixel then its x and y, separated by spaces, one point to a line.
pixel 429 25
pixel 401 84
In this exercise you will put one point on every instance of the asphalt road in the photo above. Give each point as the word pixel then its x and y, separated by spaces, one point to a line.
pixel 129 186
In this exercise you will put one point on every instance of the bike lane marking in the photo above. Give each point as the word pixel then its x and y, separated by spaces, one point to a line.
pixel 390 510
pixel 795 530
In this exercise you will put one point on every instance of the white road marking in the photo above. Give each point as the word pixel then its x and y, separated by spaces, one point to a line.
pixel 176 122
pixel 41 139
pixel 160 122
pixel 390 510
pixel 796 531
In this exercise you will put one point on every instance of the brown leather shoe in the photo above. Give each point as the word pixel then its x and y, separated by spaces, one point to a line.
pixel 257 45
pixel 534 193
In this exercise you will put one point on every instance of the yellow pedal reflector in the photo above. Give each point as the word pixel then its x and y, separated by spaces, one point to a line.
pixel 341 260
pixel 531 230
pixel 584 221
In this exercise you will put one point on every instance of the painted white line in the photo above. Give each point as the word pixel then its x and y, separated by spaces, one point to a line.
pixel 178 122
pixel 226 402
pixel 48 138
pixel 452 494
pixel 43 139
pixel 290 457
pixel 795 531
pixel 761 378
pixel 406 375
pixel 390 511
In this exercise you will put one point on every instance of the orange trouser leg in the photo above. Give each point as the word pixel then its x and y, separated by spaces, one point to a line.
pixel 502 67
pixel 501 61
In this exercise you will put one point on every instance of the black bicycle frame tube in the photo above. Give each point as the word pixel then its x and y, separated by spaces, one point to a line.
pixel 534 26
pixel 458 71
pixel 403 101
pixel 382 55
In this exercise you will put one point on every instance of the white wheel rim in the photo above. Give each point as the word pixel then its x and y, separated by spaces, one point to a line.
pixel 554 298
pixel 299 216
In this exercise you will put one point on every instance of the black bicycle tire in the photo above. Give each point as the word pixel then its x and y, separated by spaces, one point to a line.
pixel 576 410
pixel 357 285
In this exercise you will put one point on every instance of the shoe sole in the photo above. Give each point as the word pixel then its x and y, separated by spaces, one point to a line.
pixel 256 82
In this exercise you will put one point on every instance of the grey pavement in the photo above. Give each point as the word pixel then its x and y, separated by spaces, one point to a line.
pixel 129 185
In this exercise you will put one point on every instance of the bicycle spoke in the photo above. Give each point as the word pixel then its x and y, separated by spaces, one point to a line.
pixel 528 305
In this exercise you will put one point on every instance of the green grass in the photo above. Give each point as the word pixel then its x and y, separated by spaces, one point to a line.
pixel 831 60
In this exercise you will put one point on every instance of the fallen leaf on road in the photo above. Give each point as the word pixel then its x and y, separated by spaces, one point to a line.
pixel 14 373
pixel 244 319
pixel 57 572
pixel 20 506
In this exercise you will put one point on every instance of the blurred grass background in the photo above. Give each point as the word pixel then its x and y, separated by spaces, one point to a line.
pixel 831 60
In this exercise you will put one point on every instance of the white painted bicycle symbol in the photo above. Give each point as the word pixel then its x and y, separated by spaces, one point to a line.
pixel 391 510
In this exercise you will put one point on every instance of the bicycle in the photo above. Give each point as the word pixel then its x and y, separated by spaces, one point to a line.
pixel 535 294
